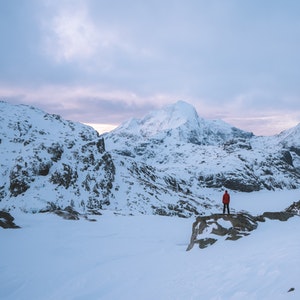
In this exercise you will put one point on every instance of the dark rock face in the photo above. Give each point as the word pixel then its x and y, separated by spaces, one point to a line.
pixel 65 177
pixel 19 178
pixel 294 208
pixel 287 157
pixel 206 230
pixel 7 220
pixel 231 145
pixel 69 213
pixel 296 150
pixel 238 184
pixel 55 160
pixel 93 165
pixel 55 150
pixel 281 216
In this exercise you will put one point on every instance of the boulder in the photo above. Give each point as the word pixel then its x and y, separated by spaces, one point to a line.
pixel 7 220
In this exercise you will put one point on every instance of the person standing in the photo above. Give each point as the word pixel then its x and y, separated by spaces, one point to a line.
pixel 226 200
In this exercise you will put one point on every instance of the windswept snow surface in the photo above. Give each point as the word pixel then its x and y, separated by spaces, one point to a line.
pixel 144 257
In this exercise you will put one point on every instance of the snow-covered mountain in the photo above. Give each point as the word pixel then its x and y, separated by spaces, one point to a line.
pixel 171 162
pixel 192 155
pixel 47 161
pixel 179 123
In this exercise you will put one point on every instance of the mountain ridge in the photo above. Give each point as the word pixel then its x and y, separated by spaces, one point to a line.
pixel 182 120
pixel 176 166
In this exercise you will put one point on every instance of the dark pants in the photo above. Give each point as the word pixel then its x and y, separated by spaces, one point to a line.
pixel 226 206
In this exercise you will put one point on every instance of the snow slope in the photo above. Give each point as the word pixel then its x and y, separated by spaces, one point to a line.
pixel 144 257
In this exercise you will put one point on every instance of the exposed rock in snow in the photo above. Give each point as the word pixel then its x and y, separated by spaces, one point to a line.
pixel 7 220
pixel 207 230
pixel 69 213
pixel 294 208
pixel 45 159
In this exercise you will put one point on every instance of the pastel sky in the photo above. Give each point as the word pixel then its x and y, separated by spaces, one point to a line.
pixel 103 62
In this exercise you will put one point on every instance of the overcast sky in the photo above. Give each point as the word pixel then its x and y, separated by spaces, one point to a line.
pixel 104 62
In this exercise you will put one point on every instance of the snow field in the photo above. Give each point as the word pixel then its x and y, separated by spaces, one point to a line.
pixel 144 257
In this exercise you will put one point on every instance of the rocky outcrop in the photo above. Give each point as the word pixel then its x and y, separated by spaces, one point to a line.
pixel 232 227
pixel 294 208
pixel 7 220
pixel 207 230
pixel 69 213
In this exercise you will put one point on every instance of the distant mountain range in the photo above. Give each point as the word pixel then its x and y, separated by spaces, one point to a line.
pixel 170 162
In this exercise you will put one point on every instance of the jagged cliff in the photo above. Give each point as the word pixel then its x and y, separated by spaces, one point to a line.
pixel 48 161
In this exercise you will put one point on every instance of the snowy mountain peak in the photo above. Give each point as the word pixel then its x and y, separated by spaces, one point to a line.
pixel 179 122
pixel 290 137
pixel 168 118
pixel 177 114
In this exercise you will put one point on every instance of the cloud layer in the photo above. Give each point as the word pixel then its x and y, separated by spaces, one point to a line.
pixel 104 62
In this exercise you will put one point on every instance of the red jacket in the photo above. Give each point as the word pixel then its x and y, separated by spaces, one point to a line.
pixel 226 198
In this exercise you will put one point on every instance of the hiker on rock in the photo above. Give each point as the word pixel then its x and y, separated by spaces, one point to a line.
pixel 226 200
